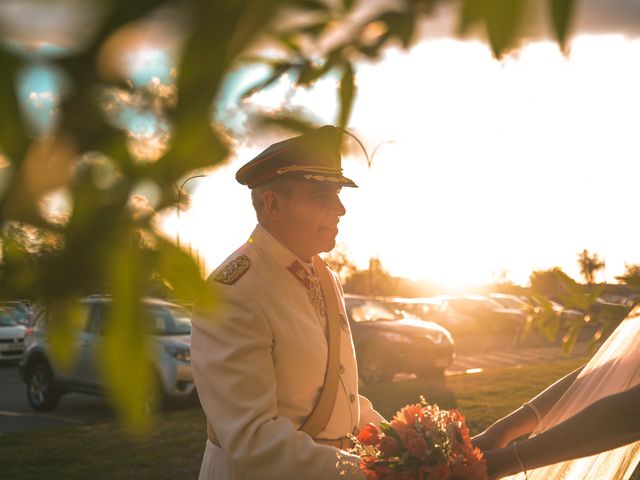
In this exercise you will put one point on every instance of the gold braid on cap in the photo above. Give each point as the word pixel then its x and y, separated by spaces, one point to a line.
pixel 302 168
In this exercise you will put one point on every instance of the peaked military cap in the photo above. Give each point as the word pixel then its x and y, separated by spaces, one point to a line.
pixel 314 156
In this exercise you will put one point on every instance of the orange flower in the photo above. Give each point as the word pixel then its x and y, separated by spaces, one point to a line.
pixel 370 474
pixel 417 447
pixel 369 435
pixel 407 435
pixel 389 446
pixel 407 415
pixel 364 468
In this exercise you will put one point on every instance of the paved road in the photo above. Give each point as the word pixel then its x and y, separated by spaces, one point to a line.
pixel 16 414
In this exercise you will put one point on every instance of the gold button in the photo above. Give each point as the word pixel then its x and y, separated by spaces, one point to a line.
pixel 341 368
pixel 352 398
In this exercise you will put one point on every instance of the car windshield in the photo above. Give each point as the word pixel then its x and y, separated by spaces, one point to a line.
pixel 371 311
pixel 508 302
pixel 167 320
pixel 468 305
pixel 7 320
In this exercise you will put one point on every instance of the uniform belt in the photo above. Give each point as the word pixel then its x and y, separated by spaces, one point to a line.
pixel 342 443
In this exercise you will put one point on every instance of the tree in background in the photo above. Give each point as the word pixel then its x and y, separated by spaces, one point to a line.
pixel 631 275
pixel 590 264
pixel 340 263
pixel 547 282
pixel 375 281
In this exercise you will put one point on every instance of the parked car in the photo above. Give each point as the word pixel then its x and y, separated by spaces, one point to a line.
pixel 387 342
pixel 424 308
pixel 480 323
pixel 11 336
pixel 507 300
pixel 170 360
pixel 21 310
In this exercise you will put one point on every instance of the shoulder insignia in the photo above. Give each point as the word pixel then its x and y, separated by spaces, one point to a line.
pixel 231 271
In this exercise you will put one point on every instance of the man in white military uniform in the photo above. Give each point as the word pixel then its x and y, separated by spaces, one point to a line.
pixel 274 364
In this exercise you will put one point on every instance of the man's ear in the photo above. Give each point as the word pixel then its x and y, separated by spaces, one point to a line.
pixel 272 202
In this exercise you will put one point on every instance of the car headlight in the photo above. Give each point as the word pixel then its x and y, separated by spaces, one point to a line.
pixel 395 337
pixel 434 337
pixel 182 354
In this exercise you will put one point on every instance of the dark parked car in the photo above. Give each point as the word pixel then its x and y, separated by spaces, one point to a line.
pixel 387 342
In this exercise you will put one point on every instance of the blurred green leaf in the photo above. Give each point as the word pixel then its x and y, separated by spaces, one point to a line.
pixel 504 19
pixel 292 122
pixel 290 41
pixel 277 71
pixel 569 340
pixel 400 25
pixel 66 319
pixel 126 350
pixel 313 5
pixel 348 5
pixel 180 270
pixel 13 137
pixel 315 29
pixel 195 146
pixel 543 317
pixel 562 14
pixel 347 95
pixel 471 13
pixel 501 19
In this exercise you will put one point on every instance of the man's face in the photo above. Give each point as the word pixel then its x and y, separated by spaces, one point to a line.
pixel 309 216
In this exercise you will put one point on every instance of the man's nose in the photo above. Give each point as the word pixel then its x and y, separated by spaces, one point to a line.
pixel 337 207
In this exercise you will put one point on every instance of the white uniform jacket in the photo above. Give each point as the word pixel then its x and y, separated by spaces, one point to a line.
pixel 259 363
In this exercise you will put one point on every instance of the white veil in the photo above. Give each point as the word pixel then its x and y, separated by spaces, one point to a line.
pixel 614 367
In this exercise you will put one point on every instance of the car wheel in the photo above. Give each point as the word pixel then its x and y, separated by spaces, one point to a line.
pixel 372 368
pixel 41 392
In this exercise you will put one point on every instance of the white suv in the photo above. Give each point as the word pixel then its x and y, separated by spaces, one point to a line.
pixel 171 360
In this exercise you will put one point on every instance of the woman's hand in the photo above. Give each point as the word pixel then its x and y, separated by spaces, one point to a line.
pixel 490 439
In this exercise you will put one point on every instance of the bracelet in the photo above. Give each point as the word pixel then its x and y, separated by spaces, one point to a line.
pixel 522 467
pixel 535 410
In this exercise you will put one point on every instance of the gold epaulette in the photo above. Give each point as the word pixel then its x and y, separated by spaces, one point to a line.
pixel 230 272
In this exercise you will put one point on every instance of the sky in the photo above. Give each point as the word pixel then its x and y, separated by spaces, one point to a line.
pixel 483 168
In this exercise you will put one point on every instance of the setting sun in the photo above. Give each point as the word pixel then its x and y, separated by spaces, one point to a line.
pixel 482 168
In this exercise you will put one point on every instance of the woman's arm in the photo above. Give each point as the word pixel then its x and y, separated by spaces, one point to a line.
pixel 524 420
pixel 609 423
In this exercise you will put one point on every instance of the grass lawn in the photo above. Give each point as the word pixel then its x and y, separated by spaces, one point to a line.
pixel 174 448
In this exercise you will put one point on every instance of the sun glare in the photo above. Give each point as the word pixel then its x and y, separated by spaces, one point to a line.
pixel 482 166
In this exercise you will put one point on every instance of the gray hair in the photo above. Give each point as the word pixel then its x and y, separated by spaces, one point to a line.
pixel 281 185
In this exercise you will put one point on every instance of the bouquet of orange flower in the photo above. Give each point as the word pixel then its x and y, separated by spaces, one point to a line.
pixel 422 442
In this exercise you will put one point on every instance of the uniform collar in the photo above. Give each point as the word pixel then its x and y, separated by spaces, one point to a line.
pixel 275 249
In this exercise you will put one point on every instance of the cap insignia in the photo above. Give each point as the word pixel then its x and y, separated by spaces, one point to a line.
pixel 231 272
pixel 322 178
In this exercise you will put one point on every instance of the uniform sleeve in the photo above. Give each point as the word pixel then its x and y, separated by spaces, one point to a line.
pixel 368 414
pixel 236 383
